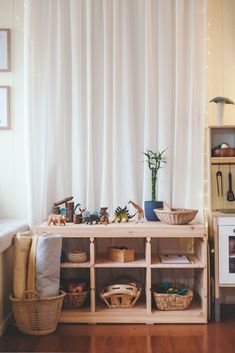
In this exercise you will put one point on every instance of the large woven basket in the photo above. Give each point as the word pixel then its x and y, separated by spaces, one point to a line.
pixel 74 300
pixel 173 302
pixel 36 315
pixel 176 215
pixel 120 295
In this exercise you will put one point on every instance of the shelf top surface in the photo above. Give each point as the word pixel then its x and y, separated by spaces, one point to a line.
pixel 221 126
pixel 123 229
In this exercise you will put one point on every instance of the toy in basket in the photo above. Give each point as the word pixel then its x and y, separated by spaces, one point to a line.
pixel 120 294
pixel 37 315
pixel 76 294
pixel 170 296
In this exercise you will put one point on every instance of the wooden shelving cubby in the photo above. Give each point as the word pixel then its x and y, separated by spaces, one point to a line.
pixel 149 240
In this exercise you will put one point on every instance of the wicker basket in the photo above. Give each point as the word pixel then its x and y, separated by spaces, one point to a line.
pixel 173 301
pixel 37 316
pixel 74 300
pixel 77 256
pixel 176 215
pixel 120 295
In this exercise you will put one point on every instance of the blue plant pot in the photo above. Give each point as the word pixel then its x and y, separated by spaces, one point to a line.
pixel 149 207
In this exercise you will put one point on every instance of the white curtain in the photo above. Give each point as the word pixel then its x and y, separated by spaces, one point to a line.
pixel 104 81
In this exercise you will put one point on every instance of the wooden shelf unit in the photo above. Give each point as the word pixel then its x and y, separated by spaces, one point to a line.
pixel 147 264
pixel 217 135
pixel 221 212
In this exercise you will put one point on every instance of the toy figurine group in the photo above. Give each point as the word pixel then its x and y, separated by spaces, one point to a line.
pixel 62 215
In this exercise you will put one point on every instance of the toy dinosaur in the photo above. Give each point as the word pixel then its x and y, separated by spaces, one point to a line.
pixel 89 218
pixel 120 214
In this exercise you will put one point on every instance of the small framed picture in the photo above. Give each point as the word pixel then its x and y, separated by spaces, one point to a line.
pixel 4 107
pixel 4 50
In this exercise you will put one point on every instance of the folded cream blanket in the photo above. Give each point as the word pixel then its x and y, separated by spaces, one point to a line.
pixel 22 244
pixel 47 266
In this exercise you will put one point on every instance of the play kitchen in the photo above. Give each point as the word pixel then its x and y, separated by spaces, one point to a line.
pixel 220 182
pixel 223 186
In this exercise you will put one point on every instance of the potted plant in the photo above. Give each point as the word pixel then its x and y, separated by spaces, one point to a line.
pixel 154 161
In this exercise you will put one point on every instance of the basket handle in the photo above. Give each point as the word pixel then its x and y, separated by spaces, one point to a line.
pixel 136 298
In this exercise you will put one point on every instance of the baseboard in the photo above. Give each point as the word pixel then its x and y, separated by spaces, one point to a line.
pixel 5 324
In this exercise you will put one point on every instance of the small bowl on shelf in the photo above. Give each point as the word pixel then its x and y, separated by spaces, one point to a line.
pixel 176 215
pixel 77 256
pixel 223 152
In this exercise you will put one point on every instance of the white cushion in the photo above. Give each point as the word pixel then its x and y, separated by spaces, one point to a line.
pixel 8 228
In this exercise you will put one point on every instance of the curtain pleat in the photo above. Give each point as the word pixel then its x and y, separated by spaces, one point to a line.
pixel 104 81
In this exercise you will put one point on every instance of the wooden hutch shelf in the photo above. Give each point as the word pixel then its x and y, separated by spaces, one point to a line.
pixel 150 240
pixel 221 211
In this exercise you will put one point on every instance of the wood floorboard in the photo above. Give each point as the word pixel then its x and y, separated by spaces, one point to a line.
pixel 170 338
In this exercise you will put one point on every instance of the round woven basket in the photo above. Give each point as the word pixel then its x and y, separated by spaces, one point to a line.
pixel 74 300
pixel 77 256
pixel 173 302
pixel 120 295
pixel 37 315
pixel 176 215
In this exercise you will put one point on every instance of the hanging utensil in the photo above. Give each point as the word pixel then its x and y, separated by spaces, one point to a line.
pixel 219 182
pixel 230 194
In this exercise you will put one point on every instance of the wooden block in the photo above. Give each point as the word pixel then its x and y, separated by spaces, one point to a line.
pixel 121 255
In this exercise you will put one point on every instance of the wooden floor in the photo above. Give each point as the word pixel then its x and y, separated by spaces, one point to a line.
pixel 210 338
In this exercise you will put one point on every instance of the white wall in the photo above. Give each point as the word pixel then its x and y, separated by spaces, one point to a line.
pixel 221 57
pixel 12 161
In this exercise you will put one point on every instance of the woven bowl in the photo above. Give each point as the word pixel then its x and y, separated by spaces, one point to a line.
pixel 176 215
pixel 77 256
pixel 120 295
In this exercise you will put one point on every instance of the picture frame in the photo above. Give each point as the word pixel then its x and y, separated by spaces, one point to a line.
pixel 4 107
pixel 4 50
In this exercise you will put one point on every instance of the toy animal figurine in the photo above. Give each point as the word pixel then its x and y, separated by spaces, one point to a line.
pixel 57 219
pixel 77 217
pixel 90 218
pixel 104 216
pixel 122 213
pixel 139 211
